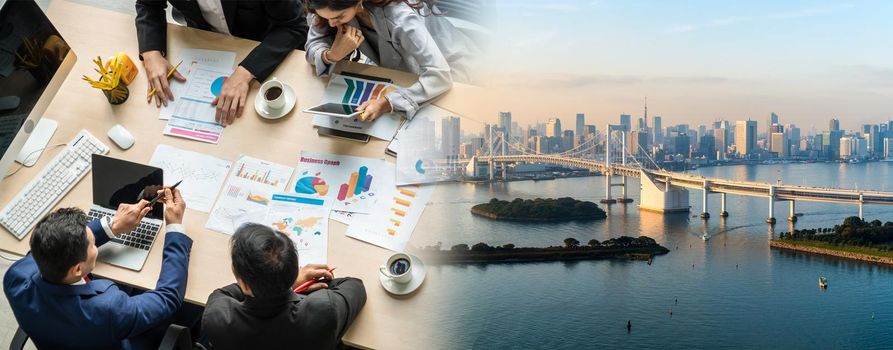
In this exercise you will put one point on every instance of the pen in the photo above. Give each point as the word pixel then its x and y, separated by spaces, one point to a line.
pixel 157 197
pixel 309 283
pixel 171 72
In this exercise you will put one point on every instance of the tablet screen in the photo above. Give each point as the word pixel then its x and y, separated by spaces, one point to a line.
pixel 335 108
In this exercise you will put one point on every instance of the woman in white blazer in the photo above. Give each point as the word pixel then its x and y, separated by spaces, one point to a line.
pixel 405 35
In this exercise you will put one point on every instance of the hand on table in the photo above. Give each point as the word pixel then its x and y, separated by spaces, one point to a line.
pixel 231 100
pixel 156 67
pixel 174 206
pixel 312 272
pixel 374 108
pixel 128 216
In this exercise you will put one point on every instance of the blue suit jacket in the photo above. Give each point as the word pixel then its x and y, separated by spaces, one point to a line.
pixel 96 315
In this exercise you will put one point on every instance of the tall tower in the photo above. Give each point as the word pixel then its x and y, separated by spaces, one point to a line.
pixel 646 112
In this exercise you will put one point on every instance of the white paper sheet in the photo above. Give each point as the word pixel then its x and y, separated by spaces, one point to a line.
pixel 420 157
pixel 202 174
pixel 391 223
pixel 306 221
pixel 248 191
pixel 352 183
pixel 192 58
pixel 192 115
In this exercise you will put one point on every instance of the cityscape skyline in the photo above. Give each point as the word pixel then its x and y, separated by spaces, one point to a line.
pixel 697 61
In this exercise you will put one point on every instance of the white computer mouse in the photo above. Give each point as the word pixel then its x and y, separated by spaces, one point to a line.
pixel 121 136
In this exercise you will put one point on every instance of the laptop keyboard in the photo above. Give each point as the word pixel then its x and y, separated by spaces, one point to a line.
pixel 141 238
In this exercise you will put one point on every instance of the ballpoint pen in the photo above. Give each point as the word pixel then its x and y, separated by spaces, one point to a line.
pixel 309 283
pixel 157 197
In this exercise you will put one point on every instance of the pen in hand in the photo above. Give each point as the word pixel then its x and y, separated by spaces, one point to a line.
pixel 160 195
pixel 169 74
pixel 309 283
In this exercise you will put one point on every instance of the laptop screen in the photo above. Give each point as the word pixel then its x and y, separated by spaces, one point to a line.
pixel 118 181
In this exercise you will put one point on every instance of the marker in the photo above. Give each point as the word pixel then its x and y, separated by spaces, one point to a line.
pixel 157 197
pixel 309 283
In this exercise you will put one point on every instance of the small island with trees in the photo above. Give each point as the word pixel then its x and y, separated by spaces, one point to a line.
pixel 549 209
pixel 641 248
pixel 855 238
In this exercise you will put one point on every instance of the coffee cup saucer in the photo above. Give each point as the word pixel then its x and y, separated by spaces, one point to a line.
pixel 418 276
pixel 269 113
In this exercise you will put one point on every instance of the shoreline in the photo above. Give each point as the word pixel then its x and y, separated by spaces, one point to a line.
pixel 493 216
pixel 830 252
pixel 524 255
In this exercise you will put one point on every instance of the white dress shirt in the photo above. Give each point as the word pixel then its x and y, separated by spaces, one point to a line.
pixel 212 11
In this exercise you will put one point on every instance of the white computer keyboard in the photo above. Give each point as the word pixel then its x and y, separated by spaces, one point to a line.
pixel 53 183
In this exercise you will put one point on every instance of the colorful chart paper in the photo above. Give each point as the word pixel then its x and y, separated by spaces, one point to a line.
pixel 193 116
pixel 352 183
pixel 306 221
pixel 247 193
pixel 352 92
pixel 391 223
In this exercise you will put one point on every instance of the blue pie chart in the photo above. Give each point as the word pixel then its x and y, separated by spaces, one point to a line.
pixel 419 168
pixel 217 85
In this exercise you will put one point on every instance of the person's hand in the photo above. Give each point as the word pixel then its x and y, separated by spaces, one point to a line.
pixel 174 206
pixel 312 272
pixel 372 109
pixel 128 216
pixel 231 100
pixel 156 67
pixel 347 39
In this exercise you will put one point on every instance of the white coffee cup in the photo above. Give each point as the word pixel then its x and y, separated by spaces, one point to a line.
pixel 273 93
pixel 398 268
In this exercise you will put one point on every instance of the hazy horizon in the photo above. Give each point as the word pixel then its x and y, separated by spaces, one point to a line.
pixel 807 61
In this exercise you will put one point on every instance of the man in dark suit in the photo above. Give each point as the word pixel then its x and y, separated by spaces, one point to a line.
pixel 280 26
pixel 261 311
pixel 59 305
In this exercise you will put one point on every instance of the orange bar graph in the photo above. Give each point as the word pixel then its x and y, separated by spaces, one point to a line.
pixel 396 222
pixel 402 202
pixel 398 212
pixel 407 193
pixel 353 184
pixel 392 232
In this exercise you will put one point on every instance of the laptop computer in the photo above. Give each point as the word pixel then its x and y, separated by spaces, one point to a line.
pixel 118 181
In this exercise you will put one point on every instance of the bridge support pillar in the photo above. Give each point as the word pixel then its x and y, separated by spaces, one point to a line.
pixel 662 197
pixel 861 201
pixel 771 219
pixel 793 217
pixel 608 184
pixel 704 214
pixel 491 169
pixel 723 212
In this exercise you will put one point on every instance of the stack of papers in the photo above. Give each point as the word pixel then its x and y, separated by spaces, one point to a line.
pixel 191 115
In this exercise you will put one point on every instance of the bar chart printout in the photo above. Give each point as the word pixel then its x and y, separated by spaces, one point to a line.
pixel 247 193
pixel 391 223
pixel 355 181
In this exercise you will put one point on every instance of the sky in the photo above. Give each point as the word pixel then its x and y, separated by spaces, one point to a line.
pixel 696 61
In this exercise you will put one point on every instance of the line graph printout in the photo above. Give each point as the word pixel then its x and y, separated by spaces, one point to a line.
pixel 248 192
pixel 202 175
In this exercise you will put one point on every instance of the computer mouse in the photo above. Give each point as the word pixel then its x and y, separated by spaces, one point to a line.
pixel 121 136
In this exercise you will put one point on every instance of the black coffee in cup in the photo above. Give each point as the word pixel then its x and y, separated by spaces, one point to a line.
pixel 273 93
pixel 399 267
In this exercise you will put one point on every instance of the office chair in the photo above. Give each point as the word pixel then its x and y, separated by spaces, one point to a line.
pixel 175 338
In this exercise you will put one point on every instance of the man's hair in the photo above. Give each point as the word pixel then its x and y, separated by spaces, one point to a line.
pixel 59 242
pixel 265 259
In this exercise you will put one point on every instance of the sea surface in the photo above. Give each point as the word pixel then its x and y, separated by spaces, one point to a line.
pixel 731 291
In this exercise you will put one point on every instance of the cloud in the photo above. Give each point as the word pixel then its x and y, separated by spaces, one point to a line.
pixel 727 21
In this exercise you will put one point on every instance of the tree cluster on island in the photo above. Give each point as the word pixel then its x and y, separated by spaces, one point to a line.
pixel 569 244
pixel 564 208
pixel 852 232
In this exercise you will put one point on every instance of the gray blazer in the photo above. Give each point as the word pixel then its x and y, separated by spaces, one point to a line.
pixel 429 46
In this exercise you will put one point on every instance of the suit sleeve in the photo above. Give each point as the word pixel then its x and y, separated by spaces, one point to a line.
pixel 99 235
pixel 319 39
pixel 348 296
pixel 413 39
pixel 151 25
pixel 145 311
pixel 288 33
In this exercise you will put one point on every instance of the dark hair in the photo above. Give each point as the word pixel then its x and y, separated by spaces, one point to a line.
pixel 59 242
pixel 265 259
pixel 312 5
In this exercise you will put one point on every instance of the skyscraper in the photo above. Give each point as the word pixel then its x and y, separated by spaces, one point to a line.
pixel 834 125
pixel 505 123
pixel 658 131
pixel 626 122
pixel 581 125
pixel 449 142
pixel 553 127
pixel 746 137
pixel 780 145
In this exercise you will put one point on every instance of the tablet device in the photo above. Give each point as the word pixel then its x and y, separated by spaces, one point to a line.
pixel 334 110
pixel 353 136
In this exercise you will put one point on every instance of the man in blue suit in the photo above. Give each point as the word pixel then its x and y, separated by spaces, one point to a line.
pixel 59 305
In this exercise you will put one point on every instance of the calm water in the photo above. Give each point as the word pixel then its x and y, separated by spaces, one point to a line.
pixel 733 291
